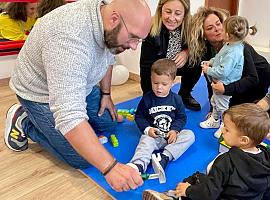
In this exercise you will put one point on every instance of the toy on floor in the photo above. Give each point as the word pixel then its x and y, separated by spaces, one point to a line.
pixel 130 117
pixel 114 140
pixel 158 169
pixel 128 114
pixel 103 139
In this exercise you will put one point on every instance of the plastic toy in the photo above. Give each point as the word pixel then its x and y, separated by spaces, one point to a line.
pixel 103 139
pixel 130 117
pixel 158 169
pixel 114 141
pixel 128 114
pixel 123 112
pixel 132 111
pixel 149 176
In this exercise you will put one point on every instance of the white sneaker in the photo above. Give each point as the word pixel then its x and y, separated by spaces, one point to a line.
pixel 158 169
pixel 218 133
pixel 210 123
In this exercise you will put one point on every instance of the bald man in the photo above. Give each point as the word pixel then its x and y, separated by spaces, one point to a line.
pixel 68 53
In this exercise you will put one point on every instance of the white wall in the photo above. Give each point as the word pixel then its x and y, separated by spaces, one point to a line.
pixel 7 63
pixel 195 4
pixel 258 13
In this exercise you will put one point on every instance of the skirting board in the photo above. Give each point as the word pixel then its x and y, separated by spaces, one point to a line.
pixel 4 81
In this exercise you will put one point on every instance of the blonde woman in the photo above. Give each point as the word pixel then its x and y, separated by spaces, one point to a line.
pixel 227 65
pixel 167 39
pixel 206 40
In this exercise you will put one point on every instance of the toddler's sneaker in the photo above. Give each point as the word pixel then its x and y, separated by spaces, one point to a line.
pixel 154 195
pixel 210 123
pixel 15 139
pixel 159 163
pixel 218 133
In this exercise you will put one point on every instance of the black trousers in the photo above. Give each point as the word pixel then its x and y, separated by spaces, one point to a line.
pixel 190 76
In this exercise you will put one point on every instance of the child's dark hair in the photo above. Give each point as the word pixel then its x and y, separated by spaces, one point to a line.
pixel 46 6
pixel 251 120
pixel 164 67
pixel 17 10
pixel 237 27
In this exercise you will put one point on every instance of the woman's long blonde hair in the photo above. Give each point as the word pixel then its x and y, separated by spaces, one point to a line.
pixel 196 40
pixel 157 19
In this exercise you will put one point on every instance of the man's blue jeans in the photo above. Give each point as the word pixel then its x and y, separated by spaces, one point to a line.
pixel 40 127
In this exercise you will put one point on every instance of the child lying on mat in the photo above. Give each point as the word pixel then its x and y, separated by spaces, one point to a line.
pixel 161 118
pixel 241 173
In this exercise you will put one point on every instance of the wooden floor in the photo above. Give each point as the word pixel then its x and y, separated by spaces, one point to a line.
pixel 35 174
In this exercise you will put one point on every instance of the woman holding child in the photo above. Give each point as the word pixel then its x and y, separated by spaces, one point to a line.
pixel 207 38
pixel 168 39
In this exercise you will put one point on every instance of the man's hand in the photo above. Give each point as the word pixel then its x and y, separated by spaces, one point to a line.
pixel 181 188
pixel 123 178
pixel 106 103
pixel 172 136
pixel 181 58
pixel 218 87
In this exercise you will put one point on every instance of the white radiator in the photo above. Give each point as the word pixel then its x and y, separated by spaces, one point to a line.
pixel 7 63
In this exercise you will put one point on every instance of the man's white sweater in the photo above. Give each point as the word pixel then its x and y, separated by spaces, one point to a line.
pixel 62 59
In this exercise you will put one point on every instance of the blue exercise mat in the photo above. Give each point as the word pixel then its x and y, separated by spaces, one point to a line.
pixel 196 158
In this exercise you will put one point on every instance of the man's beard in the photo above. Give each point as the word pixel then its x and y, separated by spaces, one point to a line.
pixel 110 38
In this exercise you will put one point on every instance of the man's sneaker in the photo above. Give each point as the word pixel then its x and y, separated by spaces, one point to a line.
pixel 210 123
pixel 218 133
pixel 14 136
pixel 191 103
pixel 154 195
pixel 159 163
